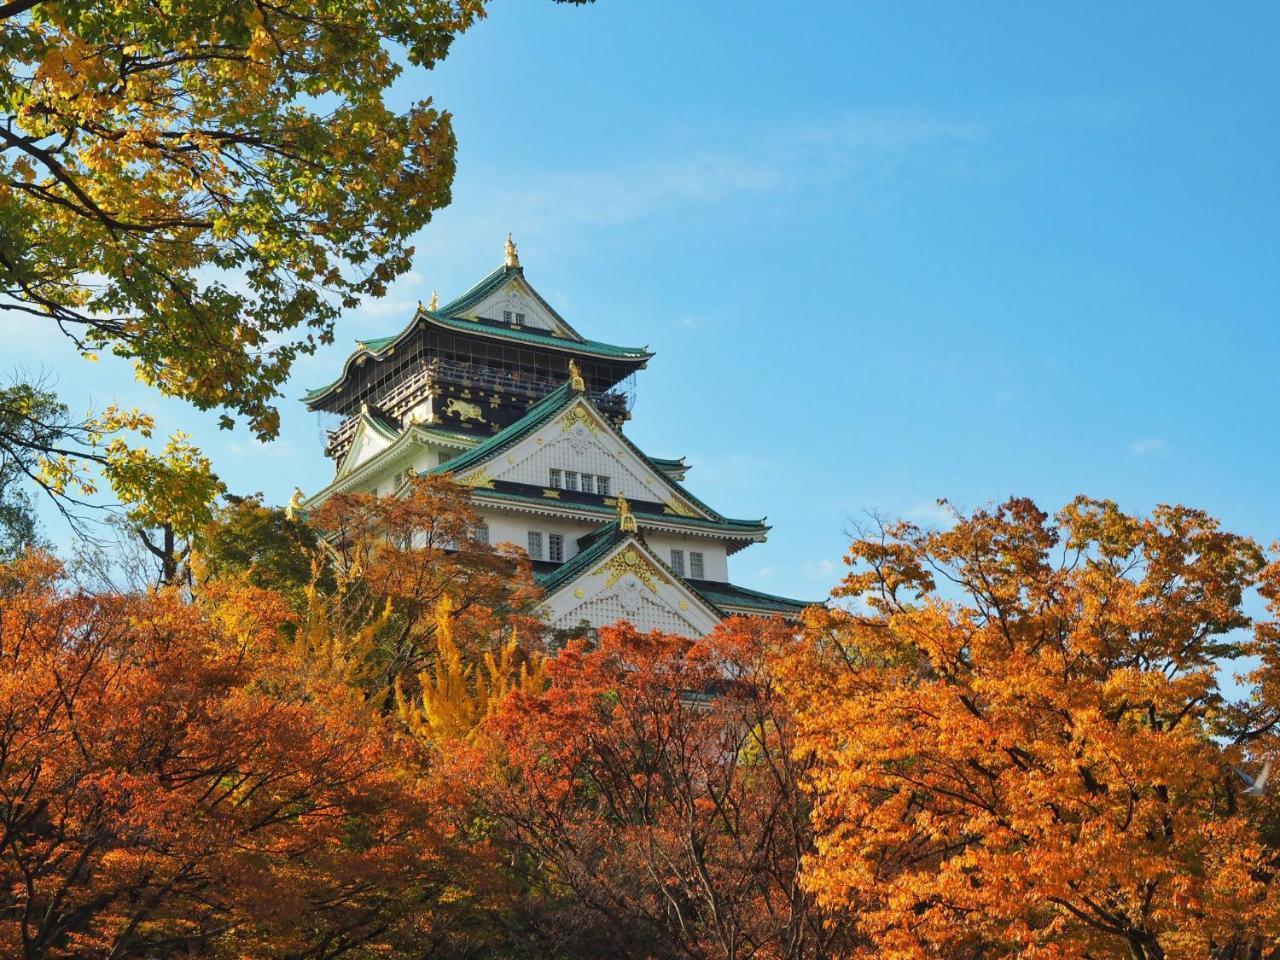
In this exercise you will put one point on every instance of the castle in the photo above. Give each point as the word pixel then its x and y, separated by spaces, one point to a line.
pixel 496 389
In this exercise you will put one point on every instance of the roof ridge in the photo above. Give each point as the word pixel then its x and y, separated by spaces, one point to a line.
pixel 583 558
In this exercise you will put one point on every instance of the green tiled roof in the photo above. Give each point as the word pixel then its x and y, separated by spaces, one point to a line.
pixel 592 347
pixel 726 526
pixel 542 412
pixel 605 539
pixel 731 595
pixel 445 317
pixel 381 424
pixel 493 282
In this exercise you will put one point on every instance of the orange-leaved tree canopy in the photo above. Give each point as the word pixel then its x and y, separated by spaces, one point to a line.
pixel 1024 747
pixel 175 781
pixel 650 799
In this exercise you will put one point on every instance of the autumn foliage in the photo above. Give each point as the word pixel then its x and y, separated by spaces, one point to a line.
pixel 1023 745
pixel 654 790
pixel 350 737
pixel 168 787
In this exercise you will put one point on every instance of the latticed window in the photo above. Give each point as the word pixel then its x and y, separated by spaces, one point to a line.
pixel 557 478
pixel 570 480
pixel 535 544
pixel 696 566
pixel 677 562
pixel 602 486
pixel 480 533
pixel 588 486
pixel 556 542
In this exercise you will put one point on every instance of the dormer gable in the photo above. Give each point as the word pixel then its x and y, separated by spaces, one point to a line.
pixel 567 443
pixel 507 298
pixel 374 434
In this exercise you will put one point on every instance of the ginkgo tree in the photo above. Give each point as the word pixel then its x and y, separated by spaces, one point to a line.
pixel 1023 745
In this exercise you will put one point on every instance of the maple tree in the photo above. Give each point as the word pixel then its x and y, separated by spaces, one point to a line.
pixel 652 794
pixel 1023 745
pixel 172 782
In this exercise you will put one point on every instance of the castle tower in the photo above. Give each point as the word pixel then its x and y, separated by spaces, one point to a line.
pixel 497 389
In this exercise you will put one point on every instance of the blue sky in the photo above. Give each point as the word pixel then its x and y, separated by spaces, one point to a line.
pixel 884 253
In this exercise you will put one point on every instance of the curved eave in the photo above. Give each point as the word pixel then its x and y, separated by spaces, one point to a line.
pixel 398 448
pixel 384 346
pixel 741 533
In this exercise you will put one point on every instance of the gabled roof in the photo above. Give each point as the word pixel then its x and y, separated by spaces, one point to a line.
pixel 675 468
pixel 721 598
pixel 495 281
pixel 402 445
pixel 546 410
pixel 370 421
pixel 729 596
pixel 447 318
pixel 743 530
pixel 601 541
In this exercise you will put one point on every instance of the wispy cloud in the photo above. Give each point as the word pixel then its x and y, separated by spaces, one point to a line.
pixel 855 153
pixel 931 513
pixel 824 571
pixel 1146 446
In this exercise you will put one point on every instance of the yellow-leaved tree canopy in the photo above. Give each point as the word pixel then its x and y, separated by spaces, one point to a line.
pixel 201 187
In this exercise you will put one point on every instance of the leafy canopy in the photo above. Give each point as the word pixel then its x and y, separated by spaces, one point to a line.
pixel 188 186
pixel 1023 748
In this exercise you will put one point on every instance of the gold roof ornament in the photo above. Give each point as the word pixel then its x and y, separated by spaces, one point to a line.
pixel 513 256
pixel 576 382
pixel 295 504
pixel 626 522
pixel 434 302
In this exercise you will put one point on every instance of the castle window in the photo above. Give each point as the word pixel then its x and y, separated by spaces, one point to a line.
pixel 557 478
pixel 535 544
pixel 677 562
pixel 556 542
pixel 602 486
pixel 587 485
pixel 443 457
pixel 570 480
pixel 519 319
pixel 506 315
pixel 480 533
pixel 696 566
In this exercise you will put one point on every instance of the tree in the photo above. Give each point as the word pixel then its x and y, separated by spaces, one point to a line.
pixel 1023 748
pixel 175 781
pixel 41 442
pixel 263 544
pixel 403 555
pixel 29 418
pixel 202 188
pixel 455 696
pixel 652 795
pixel 202 191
